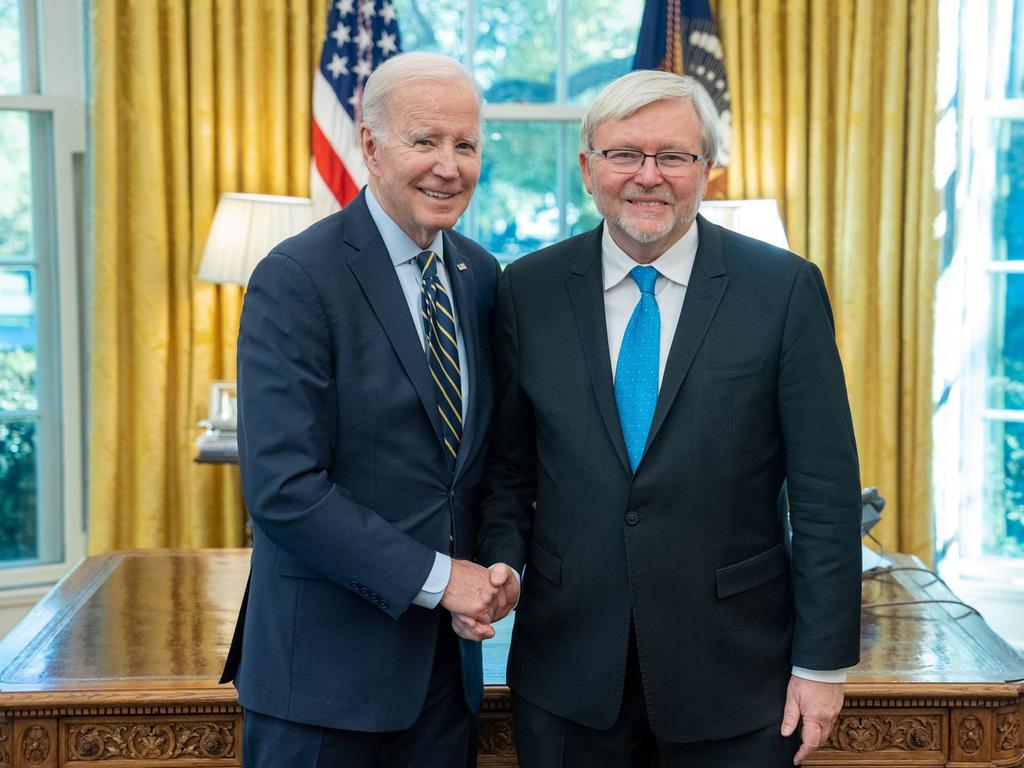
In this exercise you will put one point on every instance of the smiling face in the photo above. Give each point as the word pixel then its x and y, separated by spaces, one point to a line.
pixel 645 211
pixel 424 170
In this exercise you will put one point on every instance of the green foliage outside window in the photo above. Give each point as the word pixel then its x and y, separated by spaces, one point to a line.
pixel 18 491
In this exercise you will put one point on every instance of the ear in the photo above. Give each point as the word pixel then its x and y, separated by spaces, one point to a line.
pixel 585 170
pixel 370 149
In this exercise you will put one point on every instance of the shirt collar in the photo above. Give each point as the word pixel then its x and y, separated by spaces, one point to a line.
pixel 676 263
pixel 401 247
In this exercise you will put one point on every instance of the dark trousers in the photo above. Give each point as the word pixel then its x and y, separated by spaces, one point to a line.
pixel 443 736
pixel 544 740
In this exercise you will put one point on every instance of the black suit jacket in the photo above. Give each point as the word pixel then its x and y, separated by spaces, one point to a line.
pixel 344 476
pixel 690 548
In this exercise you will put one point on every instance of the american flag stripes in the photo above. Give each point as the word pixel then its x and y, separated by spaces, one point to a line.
pixel 360 35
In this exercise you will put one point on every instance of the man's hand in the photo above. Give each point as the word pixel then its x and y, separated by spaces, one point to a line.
pixel 470 592
pixel 818 705
pixel 506 584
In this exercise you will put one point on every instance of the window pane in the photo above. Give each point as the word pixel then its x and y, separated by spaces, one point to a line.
pixel 1006 342
pixel 10 47
pixel 437 28
pixel 602 40
pixel 1008 192
pixel 1015 79
pixel 1004 507
pixel 582 213
pixel 515 208
pixel 16 189
pixel 18 336
pixel 516 51
pixel 18 521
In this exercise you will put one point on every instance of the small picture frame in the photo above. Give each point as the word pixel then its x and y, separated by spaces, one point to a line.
pixel 223 406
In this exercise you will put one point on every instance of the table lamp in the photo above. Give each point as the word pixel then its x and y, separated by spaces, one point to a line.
pixel 245 228
pixel 754 218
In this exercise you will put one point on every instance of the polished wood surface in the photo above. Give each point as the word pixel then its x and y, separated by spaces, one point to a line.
pixel 118 665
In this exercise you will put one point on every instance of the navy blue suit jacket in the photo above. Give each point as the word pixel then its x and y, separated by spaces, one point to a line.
pixel 689 549
pixel 344 476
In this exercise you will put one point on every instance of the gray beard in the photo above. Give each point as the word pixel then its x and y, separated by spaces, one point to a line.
pixel 643 236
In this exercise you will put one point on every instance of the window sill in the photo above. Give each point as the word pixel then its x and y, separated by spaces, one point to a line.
pixel 15 603
pixel 995 587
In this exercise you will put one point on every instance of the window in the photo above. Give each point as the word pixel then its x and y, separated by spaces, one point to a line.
pixel 979 418
pixel 42 136
pixel 539 64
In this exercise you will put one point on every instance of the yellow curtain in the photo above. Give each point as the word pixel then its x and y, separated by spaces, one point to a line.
pixel 834 116
pixel 191 98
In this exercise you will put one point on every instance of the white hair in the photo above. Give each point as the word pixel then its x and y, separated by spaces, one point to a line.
pixel 399 70
pixel 624 96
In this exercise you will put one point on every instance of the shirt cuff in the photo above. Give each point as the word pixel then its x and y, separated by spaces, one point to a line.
pixel 821 675
pixel 437 582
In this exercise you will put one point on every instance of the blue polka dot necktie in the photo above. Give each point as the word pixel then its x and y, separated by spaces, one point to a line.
pixel 636 373
pixel 442 352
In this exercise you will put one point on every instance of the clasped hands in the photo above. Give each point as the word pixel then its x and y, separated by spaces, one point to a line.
pixel 477 597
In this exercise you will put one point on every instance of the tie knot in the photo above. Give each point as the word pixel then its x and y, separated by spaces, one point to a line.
pixel 645 278
pixel 427 262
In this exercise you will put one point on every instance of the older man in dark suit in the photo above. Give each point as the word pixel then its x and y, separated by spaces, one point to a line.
pixel 365 394
pixel 659 378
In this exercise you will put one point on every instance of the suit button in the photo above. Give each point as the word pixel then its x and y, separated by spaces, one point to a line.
pixel 375 597
pixel 384 604
pixel 632 517
pixel 355 584
pixel 364 591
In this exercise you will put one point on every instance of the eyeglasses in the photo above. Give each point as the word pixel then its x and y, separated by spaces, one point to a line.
pixel 632 160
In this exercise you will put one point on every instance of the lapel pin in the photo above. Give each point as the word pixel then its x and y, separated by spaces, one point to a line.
pixel 461 266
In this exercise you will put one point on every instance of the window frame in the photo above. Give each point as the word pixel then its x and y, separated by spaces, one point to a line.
pixel 53 57
pixel 961 501
pixel 560 112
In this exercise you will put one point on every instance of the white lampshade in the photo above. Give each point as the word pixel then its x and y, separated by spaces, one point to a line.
pixel 754 218
pixel 245 228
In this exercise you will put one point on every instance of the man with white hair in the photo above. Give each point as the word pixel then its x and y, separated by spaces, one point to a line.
pixel 659 378
pixel 365 392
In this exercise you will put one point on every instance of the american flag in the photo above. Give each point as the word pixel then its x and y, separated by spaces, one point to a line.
pixel 360 35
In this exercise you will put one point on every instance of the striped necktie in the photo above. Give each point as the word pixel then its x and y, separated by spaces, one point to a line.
pixel 442 352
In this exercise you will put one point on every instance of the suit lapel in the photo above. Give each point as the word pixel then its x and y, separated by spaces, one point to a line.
pixel 464 292
pixel 703 295
pixel 586 291
pixel 376 275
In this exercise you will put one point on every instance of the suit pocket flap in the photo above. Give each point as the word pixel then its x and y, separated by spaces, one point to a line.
pixel 752 572
pixel 287 565
pixel 546 564
pixel 734 370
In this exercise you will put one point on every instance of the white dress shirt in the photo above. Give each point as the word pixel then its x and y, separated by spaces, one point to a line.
pixel 621 295
pixel 403 252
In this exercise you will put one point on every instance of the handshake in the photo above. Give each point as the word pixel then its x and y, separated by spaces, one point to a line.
pixel 477 597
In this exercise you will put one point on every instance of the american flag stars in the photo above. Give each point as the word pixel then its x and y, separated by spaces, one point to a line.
pixel 338 66
pixel 359 35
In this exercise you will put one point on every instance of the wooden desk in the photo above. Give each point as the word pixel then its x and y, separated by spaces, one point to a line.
pixel 118 666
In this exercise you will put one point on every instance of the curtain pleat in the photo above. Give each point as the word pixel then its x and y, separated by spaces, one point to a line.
pixel 191 100
pixel 834 118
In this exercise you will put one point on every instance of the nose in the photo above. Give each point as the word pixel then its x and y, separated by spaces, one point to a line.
pixel 446 163
pixel 648 175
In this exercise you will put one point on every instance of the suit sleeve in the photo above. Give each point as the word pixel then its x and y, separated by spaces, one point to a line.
pixel 823 478
pixel 510 475
pixel 288 407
